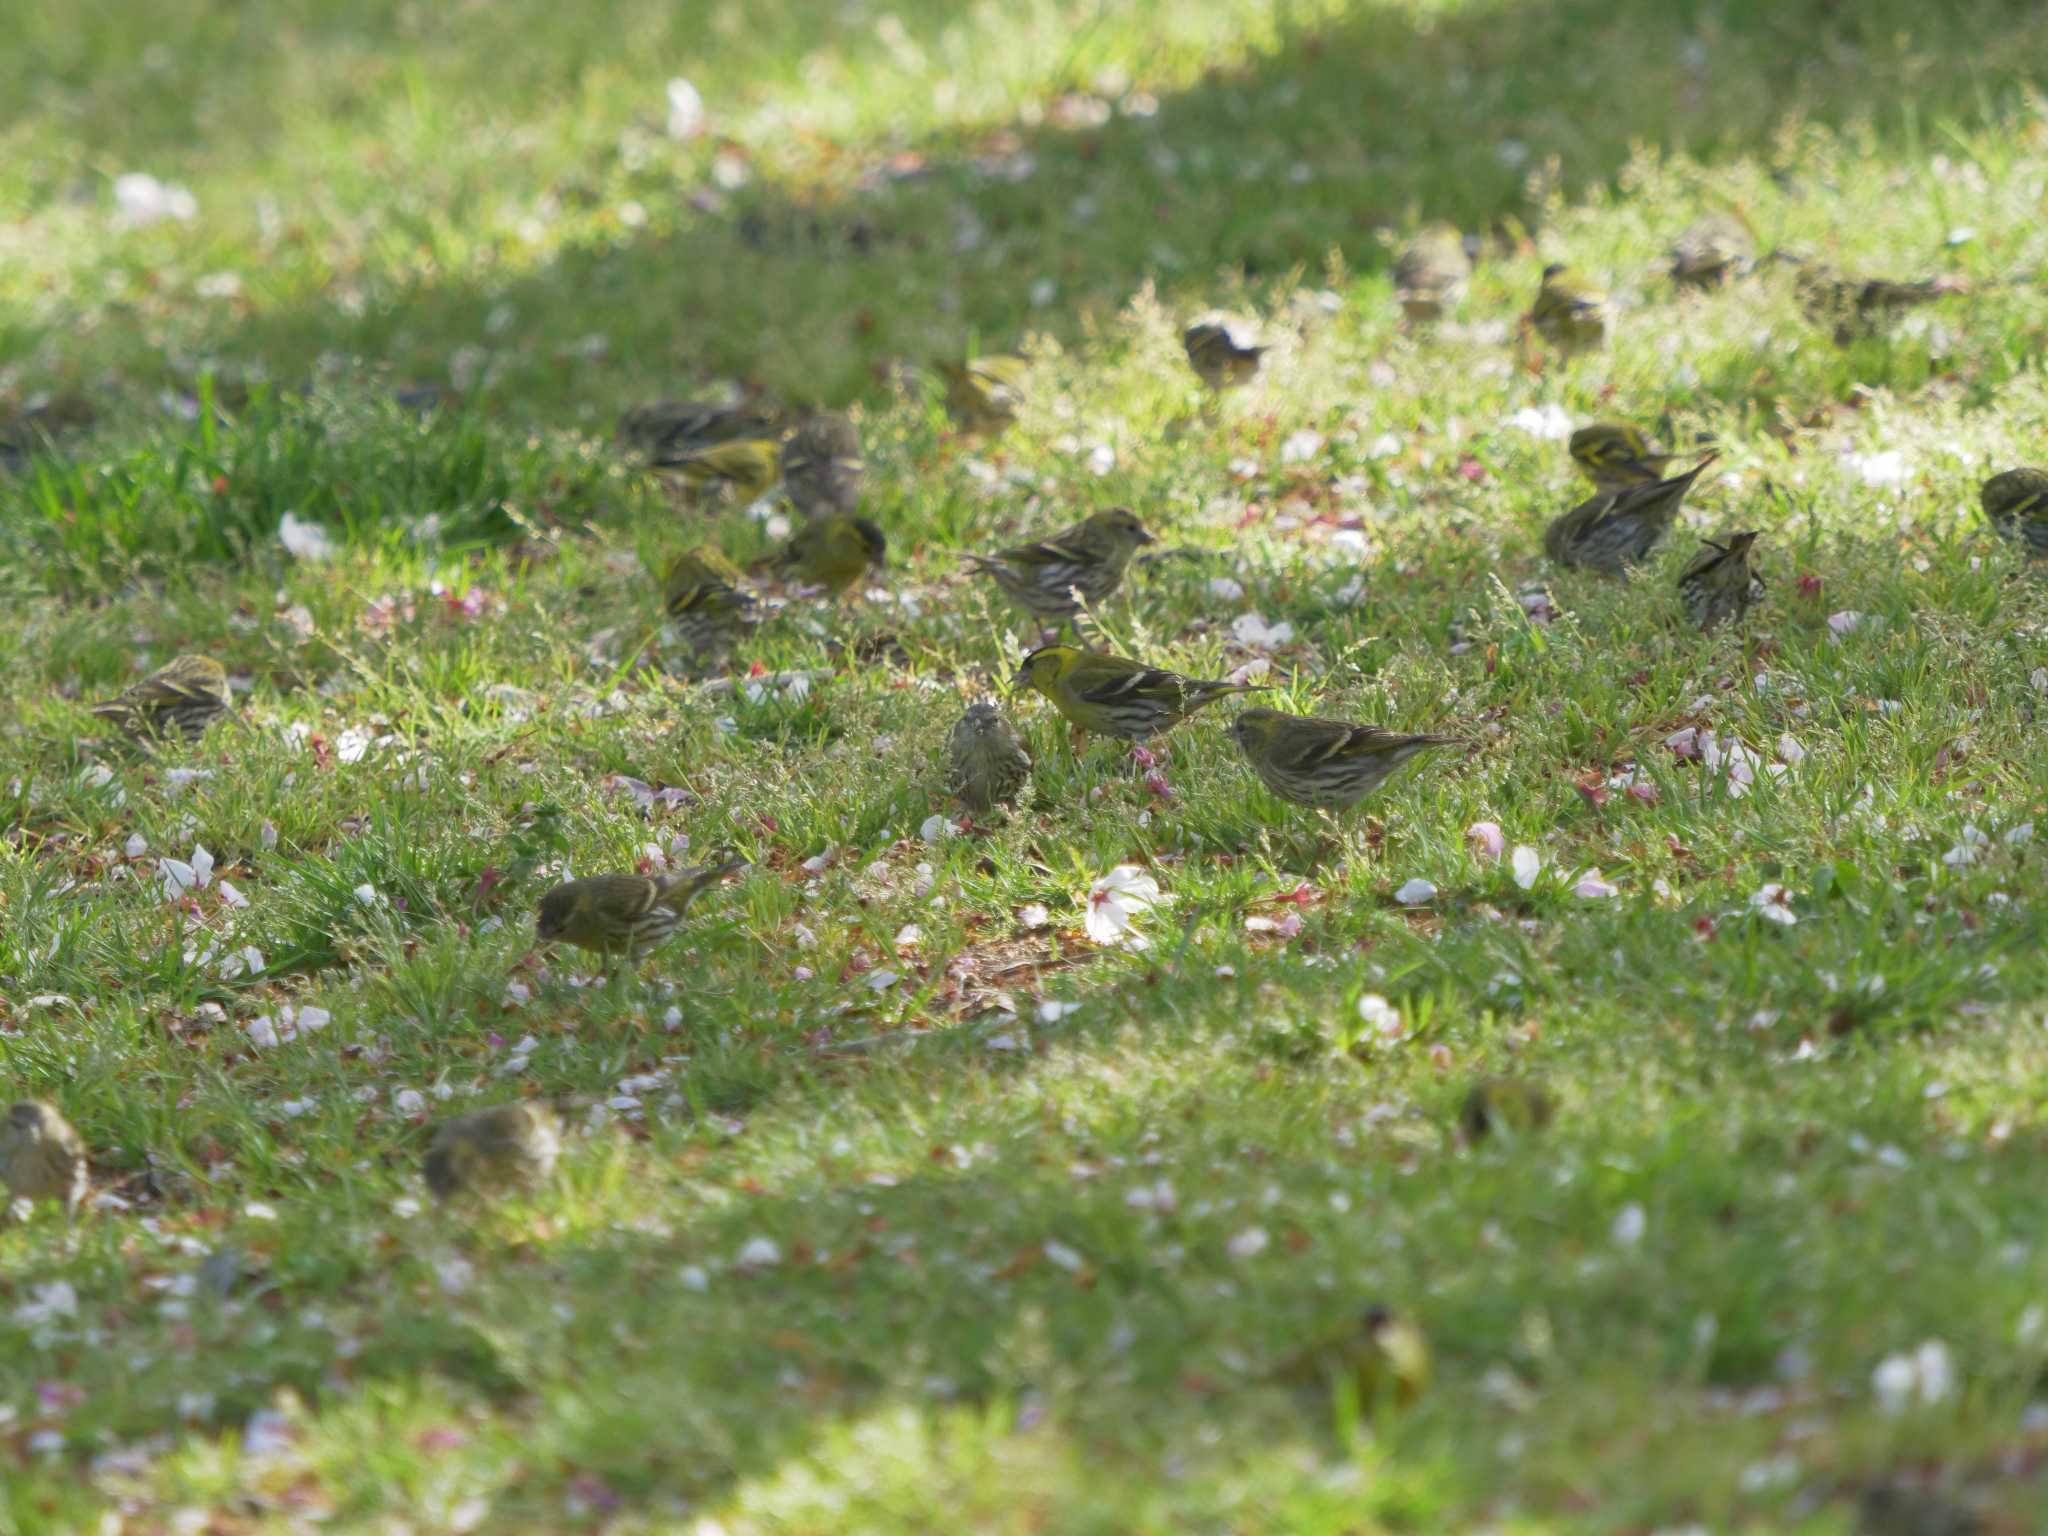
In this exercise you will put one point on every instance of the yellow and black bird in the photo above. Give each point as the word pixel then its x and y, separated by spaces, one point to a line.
pixel 1383 1357
pixel 182 697
pixel 1714 249
pixel 624 914
pixel 1327 764
pixel 702 598
pixel 2016 505
pixel 1219 357
pixel 747 467
pixel 1110 696
pixel 671 429
pixel 1513 1106
pixel 1053 579
pixel 1570 313
pixel 1613 454
pixel 984 394
pixel 832 552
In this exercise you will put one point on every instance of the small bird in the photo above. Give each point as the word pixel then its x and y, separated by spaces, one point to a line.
pixel 1858 306
pixel 674 428
pixel 1901 1509
pixel 709 611
pixel 984 393
pixel 1114 697
pixel 183 696
pixel 1219 359
pixel 1713 249
pixel 750 466
pixel 822 466
pixel 1569 312
pixel 832 552
pixel 1431 274
pixel 2016 505
pixel 492 1151
pixel 624 914
pixel 41 1156
pixel 1328 764
pixel 1717 583
pixel 986 764
pixel 1613 454
pixel 1512 1105
pixel 1383 1356
pixel 1055 578
pixel 1614 529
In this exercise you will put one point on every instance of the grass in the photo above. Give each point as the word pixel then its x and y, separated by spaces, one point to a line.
pixel 891 1204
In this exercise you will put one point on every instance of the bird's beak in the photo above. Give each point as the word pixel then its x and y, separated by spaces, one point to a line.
pixel 1147 538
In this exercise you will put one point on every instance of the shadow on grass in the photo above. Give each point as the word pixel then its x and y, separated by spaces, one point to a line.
pixel 1345 130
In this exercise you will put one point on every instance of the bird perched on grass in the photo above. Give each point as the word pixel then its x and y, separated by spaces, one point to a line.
pixel 1384 1357
pixel 1713 249
pixel 624 914
pixel 41 1156
pixel 1512 1105
pixel 1614 529
pixel 1077 567
pixel 1110 696
pixel 708 610
pixel 1219 358
pixel 986 764
pixel 674 428
pixel 1613 454
pixel 1431 274
pixel 748 466
pixel 1569 312
pixel 2016 505
pixel 1328 764
pixel 492 1151
pixel 1717 583
pixel 184 696
pixel 832 552
pixel 984 393
pixel 822 466
pixel 1858 306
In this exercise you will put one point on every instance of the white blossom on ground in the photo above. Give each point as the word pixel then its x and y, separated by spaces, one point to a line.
pixel 1527 864
pixel 1773 902
pixel 1114 903
pixel 303 540
pixel 1487 839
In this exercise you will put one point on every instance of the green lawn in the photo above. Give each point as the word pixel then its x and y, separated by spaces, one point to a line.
pixel 891 1202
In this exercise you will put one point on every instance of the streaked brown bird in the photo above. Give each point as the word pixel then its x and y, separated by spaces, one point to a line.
pixel 1053 579
pixel 822 466
pixel 182 697
pixel 624 914
pixel 1612 530
pixel 986 764
pixel 1857 307
pixel 1718 583
pixel 41 1156
pixel 1430 275
pixel 1330 765
pixel 2016 505
pixel 493 1151
pixel 1219 357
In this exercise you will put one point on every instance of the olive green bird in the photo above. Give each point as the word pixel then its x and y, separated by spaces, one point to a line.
pixel 1714 249
pixel 1219 359
pixel 700 597
pixel 1718 584
pixel 1613 454
pixel 1614 529
pixel 1053 579
pixel 984 394
pixel 823 468
pixel 1513 1106
pixel 986 764
pixel 1109 696
pixel 670 429
pixel 1431 274
pixel 493 1151
pixel 748 467
pixel 41 1156
pixel 182 697
pixel 832 552
pixel 1570 313
pixel 1327 764
pixel 1383 1356
pixel 624 914
pixel 2016 505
